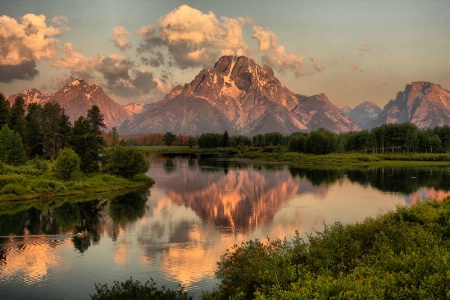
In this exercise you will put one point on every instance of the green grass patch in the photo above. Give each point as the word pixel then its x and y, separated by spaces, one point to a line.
pixel 28 182
pixel 348 159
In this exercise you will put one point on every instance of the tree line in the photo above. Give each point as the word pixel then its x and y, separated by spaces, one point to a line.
pixel 401 138
pixel 45 132
pixel 388 138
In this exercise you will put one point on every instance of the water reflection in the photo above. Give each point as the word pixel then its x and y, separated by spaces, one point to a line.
pixel 199 207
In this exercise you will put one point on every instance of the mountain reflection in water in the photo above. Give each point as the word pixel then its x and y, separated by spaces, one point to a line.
pixel 176 231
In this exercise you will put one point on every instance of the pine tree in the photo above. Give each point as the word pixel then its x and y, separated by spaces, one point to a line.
pixel 11 148
pixel 4 110
pixel 17 117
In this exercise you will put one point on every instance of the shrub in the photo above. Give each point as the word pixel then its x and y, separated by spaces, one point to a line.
pixel 133 289
pixel 126 162
pixel 67 164
pixel 45 185
pixel 14 188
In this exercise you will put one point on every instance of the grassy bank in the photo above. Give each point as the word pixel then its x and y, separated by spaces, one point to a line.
pixel 275 155
pixel 349 159
pixel 186 149
pixel 36 180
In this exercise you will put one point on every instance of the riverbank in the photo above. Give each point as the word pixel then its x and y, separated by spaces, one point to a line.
pixel 350 160
pixel 38 181
pixel 333 160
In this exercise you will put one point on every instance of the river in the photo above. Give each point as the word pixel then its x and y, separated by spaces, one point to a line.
pixel 176 231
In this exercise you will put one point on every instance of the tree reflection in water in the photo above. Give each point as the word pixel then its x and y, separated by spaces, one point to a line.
pixel 84 220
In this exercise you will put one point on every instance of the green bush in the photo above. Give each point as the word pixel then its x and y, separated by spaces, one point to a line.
pixel 133 290
pixel 67 164
pixel 126 162
pixel 12 178
pixel 402 255
pixel 15 189
pixel 45 185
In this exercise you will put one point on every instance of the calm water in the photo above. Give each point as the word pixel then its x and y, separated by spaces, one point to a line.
pixel 176 231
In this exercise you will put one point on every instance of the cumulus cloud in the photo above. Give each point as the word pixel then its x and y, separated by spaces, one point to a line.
pixel 62 22
pixel 79 65
pixel 24 43
pixel 118 72
pixel 317 65
pixel 30 40
pixel 120 37
pixel 24 71
pixel 194 38
pixel 365 48
pixel 275 55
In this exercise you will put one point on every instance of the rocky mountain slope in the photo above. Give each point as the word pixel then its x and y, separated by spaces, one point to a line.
pixel 318 112
pixel 424 104
pixel 241 97
pixel 363 114
pixel 77 98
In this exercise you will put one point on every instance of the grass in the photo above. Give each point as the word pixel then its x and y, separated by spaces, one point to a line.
pixel 31 182
pixel 357 160
pixel 185 149
pixel 350 159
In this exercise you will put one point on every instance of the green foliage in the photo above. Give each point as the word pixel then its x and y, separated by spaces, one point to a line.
pixel 126 162
pixel 87 140
pixel 4 110
pixel 402 255
pixel 169 138
pixel 67 164
pixel 48 186
pixel 11 148
pixel 133 290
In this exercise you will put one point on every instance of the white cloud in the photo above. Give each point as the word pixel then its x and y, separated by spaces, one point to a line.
pixel 275 55
pixel 120 37
pixel 317 65
pixel 30 40
pixel 194 38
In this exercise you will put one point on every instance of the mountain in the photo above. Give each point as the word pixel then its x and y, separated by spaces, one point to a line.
pixel 31 96
pixel 363 114
pixel 236 95
pixel 423 104
pixel 318 112
pixel 78 97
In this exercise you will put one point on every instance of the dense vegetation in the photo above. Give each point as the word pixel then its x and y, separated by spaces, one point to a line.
pixel 388 138
pixel 402 255
pixel 43 155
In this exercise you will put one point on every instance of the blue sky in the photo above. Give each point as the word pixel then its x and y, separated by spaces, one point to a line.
pixel 137 50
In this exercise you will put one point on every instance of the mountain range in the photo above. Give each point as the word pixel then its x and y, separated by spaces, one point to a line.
pixel 239 96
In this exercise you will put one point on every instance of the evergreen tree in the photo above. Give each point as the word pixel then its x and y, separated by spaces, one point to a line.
pixel 80 142
pixel 56 128
pixel 11 148
pixel 4 110
pixel 113 137
pixel 87 140
pixel 225 139
pixel 17 117
pixel 34 137
pixel 169 138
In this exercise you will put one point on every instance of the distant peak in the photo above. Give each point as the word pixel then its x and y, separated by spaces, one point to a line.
pixel 77 82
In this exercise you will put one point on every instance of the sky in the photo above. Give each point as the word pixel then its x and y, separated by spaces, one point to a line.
pixel 138 50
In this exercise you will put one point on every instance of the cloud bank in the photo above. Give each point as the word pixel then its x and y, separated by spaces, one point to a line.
pixel 24 43
pixel 185 38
